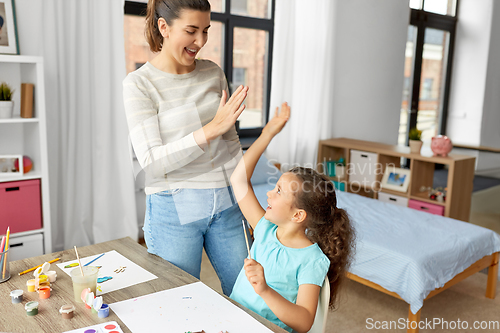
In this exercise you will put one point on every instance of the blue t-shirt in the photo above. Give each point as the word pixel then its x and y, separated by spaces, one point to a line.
pixel 285 269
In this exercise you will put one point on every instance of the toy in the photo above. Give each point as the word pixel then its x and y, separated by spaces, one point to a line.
pixel 27 164
pixel 438 194
pixel 441 145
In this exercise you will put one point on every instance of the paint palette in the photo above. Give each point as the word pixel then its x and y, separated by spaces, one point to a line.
pixel 109 327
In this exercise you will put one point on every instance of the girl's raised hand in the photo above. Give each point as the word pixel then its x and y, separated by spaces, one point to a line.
pixel 275 125
pixel 255 275
pixel 227 114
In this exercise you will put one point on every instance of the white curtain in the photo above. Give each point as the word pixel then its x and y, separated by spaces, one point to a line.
pixel 302 75
pixel 91 178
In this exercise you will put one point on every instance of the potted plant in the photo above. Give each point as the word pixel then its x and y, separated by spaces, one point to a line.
pixel 415 142
pixel 6 102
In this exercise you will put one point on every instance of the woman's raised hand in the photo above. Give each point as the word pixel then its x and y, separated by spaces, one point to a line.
pixel 227 114
pixel 275 125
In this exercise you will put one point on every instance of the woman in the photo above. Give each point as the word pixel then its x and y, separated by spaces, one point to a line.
pixel 184 137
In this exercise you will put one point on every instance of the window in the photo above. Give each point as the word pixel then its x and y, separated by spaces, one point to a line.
pixel 427 89
pixel 240 42
pixel 429 53
pixel 239 76
pixel 239 7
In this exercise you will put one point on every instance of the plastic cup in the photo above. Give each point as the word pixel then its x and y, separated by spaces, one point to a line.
pixel 31 308
pixel 4 266
pixel 31 285
pixel 88 280
pixel 52 275
pixel 67 310
pixel 16 296
pixel 103 311
pixel 44 292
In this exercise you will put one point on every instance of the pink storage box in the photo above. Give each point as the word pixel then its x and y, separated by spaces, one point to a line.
pixel 20 206
pixel 426 207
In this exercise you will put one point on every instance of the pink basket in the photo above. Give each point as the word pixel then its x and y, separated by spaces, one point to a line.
pixel 20 205
pixel 426 207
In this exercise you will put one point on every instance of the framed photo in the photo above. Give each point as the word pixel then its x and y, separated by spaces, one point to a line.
pixel 8 165
pixel 8 31
pixel 396 179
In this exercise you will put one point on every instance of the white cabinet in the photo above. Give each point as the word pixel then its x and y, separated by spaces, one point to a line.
pixel 392 198
pixel 27 136
pixel 25 246
pixel 363 168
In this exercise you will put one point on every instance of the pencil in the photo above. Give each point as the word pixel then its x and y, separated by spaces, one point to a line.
pixel 246 238
pixel 33 268
pixel 94 259
pixel 1 250
pixel 5 255
pixel 3 244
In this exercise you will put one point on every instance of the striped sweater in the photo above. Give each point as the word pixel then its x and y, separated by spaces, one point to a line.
pixel 163 110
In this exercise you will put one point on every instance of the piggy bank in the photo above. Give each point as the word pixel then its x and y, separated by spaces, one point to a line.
pixel 441 145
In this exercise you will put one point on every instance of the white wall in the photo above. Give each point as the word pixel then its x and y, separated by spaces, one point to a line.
pixel 490 131
pixel 489 163
pixel 474 113
pixel 469 72
pixel 29 22
pixel 369 68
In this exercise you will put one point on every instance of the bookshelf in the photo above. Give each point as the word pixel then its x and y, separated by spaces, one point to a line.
pixel 26 136
pixel 459 181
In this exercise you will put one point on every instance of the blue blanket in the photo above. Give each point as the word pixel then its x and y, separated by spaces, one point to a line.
pixel 410 252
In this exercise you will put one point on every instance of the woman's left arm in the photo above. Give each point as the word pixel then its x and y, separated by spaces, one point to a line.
pixel 299 316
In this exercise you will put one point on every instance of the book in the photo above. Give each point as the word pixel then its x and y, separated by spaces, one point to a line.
pixel 26 100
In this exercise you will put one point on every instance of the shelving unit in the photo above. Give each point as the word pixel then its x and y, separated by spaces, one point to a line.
pixel 459 182
pixel 27 136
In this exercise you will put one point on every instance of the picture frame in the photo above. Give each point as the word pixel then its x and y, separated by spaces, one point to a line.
pixel 8 29
pixel 396 179
pixel 7 165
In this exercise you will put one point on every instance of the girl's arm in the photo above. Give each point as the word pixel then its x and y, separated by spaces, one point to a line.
pixel 299 316
pixel 240 179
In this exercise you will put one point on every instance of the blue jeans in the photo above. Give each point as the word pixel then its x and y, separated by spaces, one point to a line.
pixel 179 223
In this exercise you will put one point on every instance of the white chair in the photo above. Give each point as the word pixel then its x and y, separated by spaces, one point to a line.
pixel 319 324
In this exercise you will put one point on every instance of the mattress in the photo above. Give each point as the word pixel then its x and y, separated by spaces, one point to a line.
pixel 410 252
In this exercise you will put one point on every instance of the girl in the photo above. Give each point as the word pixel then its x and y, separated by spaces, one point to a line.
pixel 299 239
pixel 183 134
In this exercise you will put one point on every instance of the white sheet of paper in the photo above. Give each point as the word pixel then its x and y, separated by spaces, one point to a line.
pixel 193 307
pixel 133 273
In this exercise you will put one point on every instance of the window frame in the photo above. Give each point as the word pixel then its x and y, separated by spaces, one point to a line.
pixel 422 20
pixel 232 21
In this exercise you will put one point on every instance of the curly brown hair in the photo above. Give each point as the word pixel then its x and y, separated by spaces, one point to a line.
pixel 169 10
pixel 327 225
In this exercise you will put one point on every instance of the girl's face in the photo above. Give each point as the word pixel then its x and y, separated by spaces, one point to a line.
pixel 185 37
pixel 280 200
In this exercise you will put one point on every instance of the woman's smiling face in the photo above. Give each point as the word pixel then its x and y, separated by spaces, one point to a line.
pixel 185 37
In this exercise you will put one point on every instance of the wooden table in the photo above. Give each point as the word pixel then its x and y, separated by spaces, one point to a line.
pixel 13 317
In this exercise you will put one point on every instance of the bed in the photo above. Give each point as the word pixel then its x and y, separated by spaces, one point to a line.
pixel 413 255
pixel 406 253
